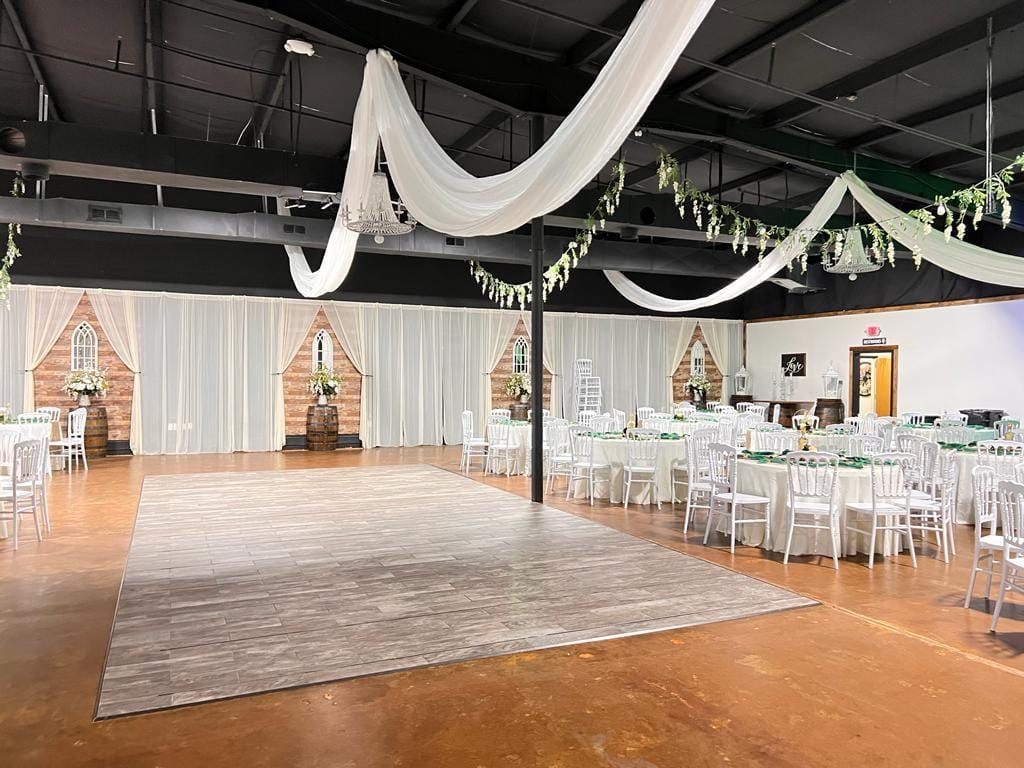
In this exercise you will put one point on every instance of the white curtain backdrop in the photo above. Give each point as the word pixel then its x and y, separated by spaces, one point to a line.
pixel 725 343
pixel 12 348
pixel 684 336
pixel 446 198
pixel 208 363
pixel 292 321
pixel 116 311
pixel 777 259
pixel 355 325
pixel 47 313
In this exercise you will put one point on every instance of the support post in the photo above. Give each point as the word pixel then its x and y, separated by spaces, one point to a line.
pixel 537 334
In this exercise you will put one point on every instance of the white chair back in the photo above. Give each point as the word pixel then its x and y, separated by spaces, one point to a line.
pixel 777 441
pixel 642 448
pixel 812 476
pixel 1001 455
pixel 776 410
pixel 722 408
pixel 620 420
pixel 864 445
pixel 33 417
pixel 1006 426
pixel 661 426
pixel 891 478
pixel 501 436
pixel 1011 507
pixel 956 434
pixel 602 423
pixel 761 411
pixel 76 423
pixel 27 467
pixel 581 444
pixel 954 416
pixel 643 413
pixel 586 418
pixel 699 445
pixel 846 428
pixel 8 438
pixel 810 419
pixel 984 488
pixel 946 422
pixel 467 425
pixel 727 430
pixel 913 418
pixel 722 467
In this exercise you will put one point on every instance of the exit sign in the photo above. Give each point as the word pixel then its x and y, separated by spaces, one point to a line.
pixel 874 341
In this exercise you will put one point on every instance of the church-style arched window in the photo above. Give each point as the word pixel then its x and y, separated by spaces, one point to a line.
pixel 521 356
pixel 697 359
pixel 84 348
pixel 323 350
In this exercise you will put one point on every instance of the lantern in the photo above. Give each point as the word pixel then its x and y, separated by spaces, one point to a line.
pixel 742 380
pixel 831 382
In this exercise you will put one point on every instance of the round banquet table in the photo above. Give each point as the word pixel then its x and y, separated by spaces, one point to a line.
pixel 770 480
pixel 612 451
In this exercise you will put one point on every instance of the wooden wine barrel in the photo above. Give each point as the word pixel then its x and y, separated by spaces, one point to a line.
pixel 830 412
pixel 735 400
pixel 520 411
pixel 96 432
pixel 321 428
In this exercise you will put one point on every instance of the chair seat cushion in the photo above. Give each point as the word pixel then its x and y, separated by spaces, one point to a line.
pixel 742 498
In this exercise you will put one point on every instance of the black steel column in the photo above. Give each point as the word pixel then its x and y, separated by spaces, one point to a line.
pixel 537 333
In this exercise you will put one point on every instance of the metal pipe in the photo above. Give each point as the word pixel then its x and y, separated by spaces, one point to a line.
pixel 990 202
pixel 537 334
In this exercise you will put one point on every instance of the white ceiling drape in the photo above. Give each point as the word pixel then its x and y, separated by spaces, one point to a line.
pixel 48 311
pixel 446 198
pixel 119 319
pixel 777 259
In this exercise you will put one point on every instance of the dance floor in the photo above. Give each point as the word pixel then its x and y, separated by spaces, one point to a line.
pixel 243 582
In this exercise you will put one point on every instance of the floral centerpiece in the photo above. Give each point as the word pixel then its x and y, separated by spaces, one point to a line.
pixel 82 385
pixel 518 386
pixel 699 385
pixel 324 383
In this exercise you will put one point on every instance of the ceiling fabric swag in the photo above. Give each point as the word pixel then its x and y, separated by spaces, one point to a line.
pixel 445 197
pixel 777 259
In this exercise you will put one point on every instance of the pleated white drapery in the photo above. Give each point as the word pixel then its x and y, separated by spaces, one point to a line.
pixel 777 259
pixel 725 343
pixel 47 313
pixel 955 256
pixel 355 325
pixel 12 348
pixel 118 317
pixel 687 327
pixel 293 321
pixel 446 198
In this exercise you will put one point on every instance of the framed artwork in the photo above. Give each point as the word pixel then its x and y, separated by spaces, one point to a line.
pixel 794 364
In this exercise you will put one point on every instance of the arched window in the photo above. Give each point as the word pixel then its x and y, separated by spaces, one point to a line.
pixel 323 350
pixel 697 359
pixel 84 346
pixel 521 356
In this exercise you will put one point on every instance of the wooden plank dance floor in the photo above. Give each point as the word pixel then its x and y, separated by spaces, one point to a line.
pixel 243 582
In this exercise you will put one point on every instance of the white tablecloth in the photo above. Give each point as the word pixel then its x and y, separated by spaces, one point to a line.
pixel 977 435
pixel 613 452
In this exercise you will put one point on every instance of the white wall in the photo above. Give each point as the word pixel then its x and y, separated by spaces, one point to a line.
pixel 969 356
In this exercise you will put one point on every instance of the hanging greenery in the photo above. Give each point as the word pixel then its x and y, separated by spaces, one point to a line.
pixel 963 206
pixel 557 275
pixel 12 252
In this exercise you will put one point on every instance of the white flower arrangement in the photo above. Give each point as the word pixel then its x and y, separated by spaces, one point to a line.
pixel 324 382
pixel 517 385
pixel 699 382
pixel 90 383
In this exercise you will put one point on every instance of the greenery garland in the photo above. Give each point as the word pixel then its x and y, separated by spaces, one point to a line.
pixel 13 252
pixel 557 275
pixel 715 217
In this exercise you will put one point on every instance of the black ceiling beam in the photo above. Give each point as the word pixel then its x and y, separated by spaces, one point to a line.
pixel 749 178
pixel 469 141
pixel 154 62
pixel 812 12
pixel 1006 17
pixel 595 43
pixel 925 116
pixel 682 156
pixel 521 84
pixel 26 44
pixel 271 94
pixel 454 15
pixel 1006 143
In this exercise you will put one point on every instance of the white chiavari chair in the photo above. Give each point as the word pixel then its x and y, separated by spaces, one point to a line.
pixel 661 426
pixel 743 407
pixel 502 449
pixel 953 434
pixel 586 418
pixel 758 432
pixel 1011 509
pixel 727 501
pixel 853 422
pixel 620 420
pixel 696 471
pixel 1001 455
pixel 472 447
pixel 560 456
pixel 641 467
pixel 72 447
pixel 885 430
pixel 891 478
pixel 1006 427
pixel 812 497
pixel 721 408
pixel 778 441
pixel 846 428
pixel 500 414
pixel 913 418
pixel 938 515
pixel 55 416
pixel 643 413
pixel 776 411
pixel 603 423
pixel 584 465
pixel 727 429
pixel 19 491
pixel 945 423
pixel 987 546
pixel 761 411
pixel 809 419
pixel 957 416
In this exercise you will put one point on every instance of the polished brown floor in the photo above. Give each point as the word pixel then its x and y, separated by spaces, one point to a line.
pixel 890 670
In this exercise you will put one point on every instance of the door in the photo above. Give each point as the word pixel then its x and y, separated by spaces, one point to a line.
pixel 873 380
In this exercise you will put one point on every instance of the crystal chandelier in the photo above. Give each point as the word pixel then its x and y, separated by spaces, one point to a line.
pixel 377 215
pixel 849 257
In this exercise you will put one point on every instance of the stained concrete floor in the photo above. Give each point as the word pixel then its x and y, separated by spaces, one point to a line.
pixel 889 670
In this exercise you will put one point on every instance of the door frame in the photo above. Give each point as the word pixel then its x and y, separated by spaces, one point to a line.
pixel 855 376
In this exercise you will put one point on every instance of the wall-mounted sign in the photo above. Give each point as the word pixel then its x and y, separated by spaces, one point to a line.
pixel 795 364
pixel 874 341
pixel 872 331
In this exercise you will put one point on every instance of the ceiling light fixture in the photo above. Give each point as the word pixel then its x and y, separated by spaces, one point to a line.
pixel 378 214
